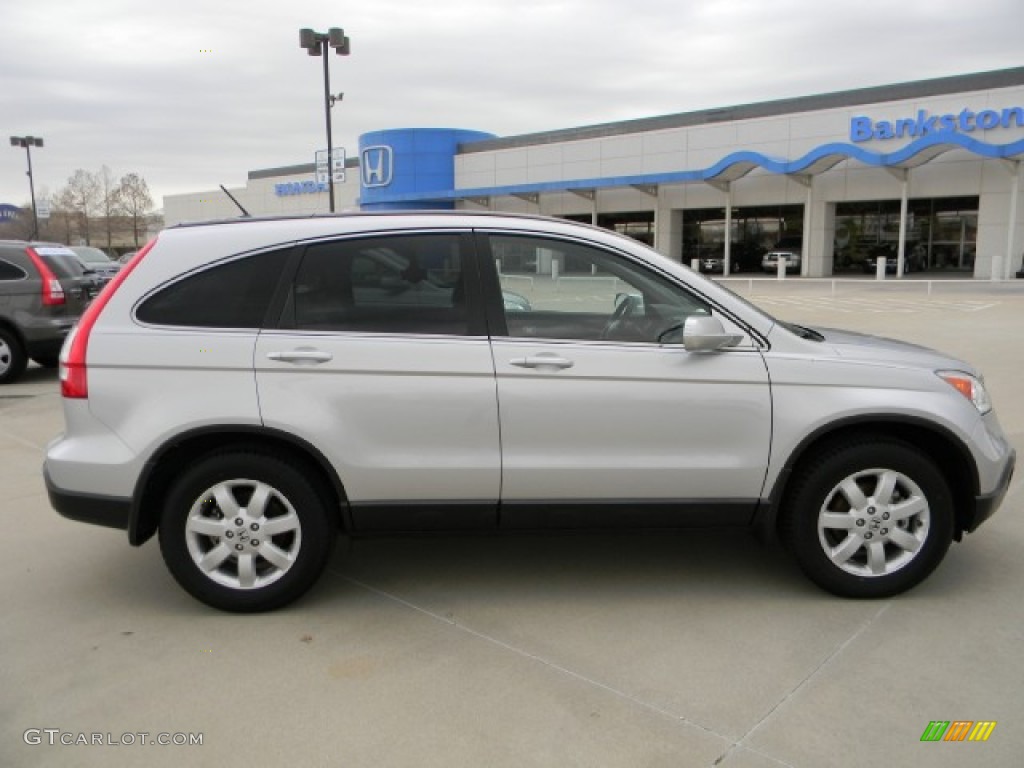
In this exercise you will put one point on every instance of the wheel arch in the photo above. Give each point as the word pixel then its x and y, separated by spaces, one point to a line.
pixel 14 330
pixel 941 445
pixel 179 452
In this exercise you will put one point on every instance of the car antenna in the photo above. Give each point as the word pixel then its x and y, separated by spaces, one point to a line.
pixel 245 213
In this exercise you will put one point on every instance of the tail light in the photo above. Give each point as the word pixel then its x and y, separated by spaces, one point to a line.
pixel 73 378
pixel 53 291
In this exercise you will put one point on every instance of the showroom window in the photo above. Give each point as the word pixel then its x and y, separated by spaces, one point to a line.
pixel 755 230
pixel 942 234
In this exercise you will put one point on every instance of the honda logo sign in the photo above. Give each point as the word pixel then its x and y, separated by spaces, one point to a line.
pixel 377 165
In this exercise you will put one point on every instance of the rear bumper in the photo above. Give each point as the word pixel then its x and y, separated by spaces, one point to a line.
pixel 108 511
pixel 986 504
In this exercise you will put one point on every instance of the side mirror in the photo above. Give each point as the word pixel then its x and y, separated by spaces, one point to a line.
pixel 704 333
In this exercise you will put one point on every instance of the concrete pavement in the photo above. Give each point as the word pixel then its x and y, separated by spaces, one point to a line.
pixel 697 649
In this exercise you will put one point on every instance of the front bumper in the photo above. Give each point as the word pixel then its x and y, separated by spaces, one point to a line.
pixel 986 504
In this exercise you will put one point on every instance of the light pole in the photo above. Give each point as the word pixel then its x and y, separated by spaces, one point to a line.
pixel 316 44
pixel 27 142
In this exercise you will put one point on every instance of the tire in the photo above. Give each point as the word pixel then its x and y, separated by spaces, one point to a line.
pixel 12 357
pixel 855 543
pixel 222 551
pixel 47 361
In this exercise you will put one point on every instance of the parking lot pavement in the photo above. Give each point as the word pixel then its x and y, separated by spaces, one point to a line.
pixel 697 649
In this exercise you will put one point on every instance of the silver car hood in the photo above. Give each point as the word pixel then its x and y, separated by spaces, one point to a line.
pixel 861 346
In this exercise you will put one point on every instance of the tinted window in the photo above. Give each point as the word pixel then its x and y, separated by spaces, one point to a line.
pixel 399 284
pixel 232 295
pixel 9 271
pixel 597 294
pixel 63 264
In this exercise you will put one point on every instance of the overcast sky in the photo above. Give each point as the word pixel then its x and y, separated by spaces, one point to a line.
pixel 194 93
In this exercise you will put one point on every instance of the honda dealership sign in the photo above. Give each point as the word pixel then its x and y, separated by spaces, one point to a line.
pixel 922 124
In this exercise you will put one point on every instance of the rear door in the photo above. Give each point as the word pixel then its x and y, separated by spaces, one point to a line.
pixel 381 360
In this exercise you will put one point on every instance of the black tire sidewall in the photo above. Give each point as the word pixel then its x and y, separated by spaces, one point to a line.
pixel 18 358
pixel 318 535
pixel 800 524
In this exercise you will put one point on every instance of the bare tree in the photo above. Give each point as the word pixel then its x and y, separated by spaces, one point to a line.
pixel 62 216
pixel 110 203
pixel 84 195
pixel 136 202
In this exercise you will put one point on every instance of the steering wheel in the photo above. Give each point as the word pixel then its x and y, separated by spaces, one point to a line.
pixel 627 306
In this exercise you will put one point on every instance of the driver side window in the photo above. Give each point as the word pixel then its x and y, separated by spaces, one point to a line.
pixel 555 289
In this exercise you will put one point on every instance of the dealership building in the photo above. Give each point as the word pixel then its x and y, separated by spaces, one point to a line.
pixel 927 173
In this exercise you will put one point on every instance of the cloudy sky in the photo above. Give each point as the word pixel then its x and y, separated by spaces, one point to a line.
pixel 194 93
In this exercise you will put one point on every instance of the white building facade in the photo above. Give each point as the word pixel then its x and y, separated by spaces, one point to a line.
pixel 928 173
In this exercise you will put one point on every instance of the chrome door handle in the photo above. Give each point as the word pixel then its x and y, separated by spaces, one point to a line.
pixel 301 356
pixel 542 361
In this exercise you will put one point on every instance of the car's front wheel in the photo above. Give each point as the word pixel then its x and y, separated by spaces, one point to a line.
pixel 245 531
pixel 869 518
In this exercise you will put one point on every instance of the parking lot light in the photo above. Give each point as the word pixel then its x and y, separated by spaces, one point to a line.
pixel 28 142
pixel 316 44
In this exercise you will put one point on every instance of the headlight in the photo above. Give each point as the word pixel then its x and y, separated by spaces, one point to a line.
pixel 970 387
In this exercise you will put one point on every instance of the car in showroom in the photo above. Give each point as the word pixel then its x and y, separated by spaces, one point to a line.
pixel 247 390
pixel 43 290
pixel 770 261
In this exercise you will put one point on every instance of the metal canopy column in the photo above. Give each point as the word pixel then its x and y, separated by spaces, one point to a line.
pixel 805 245
pixel 903 174
pixel 1011 230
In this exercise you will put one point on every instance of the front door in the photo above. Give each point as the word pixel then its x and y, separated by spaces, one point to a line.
pixel 602 422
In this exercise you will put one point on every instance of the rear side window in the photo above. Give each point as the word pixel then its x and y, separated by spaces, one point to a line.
pixel 9 271
pixel 232 295
pixel 406 284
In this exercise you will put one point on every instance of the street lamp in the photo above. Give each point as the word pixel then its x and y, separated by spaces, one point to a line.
pixel 27 142
pixel 316 44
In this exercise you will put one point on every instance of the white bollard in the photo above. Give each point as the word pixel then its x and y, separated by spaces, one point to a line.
pixel 880 268
pixel 997 266
pixel 695 265
pixel 554 269
pixel 780 267
pixel 497 263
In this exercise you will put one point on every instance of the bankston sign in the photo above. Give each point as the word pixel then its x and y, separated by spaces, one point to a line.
pixel 8 212
pixel 965 121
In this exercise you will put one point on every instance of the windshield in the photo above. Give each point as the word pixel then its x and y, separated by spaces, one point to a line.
pixel 743 300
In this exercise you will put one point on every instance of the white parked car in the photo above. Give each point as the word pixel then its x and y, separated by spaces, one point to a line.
pixel 770 261
pixel 248 389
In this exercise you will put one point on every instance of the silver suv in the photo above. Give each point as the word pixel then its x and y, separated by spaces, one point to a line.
pixel 250 388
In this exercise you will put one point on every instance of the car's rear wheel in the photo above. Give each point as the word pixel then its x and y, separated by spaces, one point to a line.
pixel 12 357
pixel 868 519
pixel 245 531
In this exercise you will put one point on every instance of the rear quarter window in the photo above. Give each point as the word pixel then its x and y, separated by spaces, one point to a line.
pixel 235 294
pixel 10 271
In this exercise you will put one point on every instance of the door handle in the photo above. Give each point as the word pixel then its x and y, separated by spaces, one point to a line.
pixel 542 361
pixel 301 356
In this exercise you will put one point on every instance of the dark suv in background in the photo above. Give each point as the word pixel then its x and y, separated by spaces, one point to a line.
pixel 43 290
